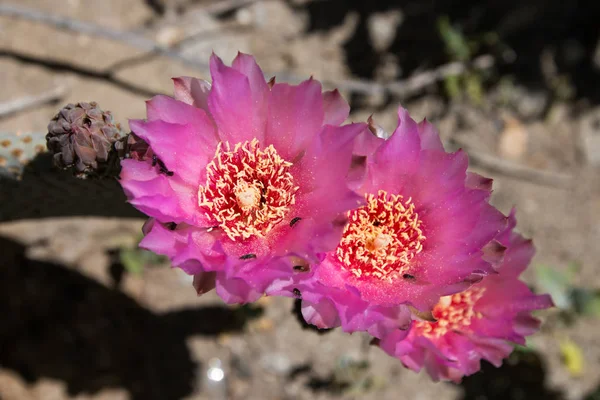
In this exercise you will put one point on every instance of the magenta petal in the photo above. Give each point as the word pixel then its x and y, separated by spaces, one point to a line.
pixel 430 137
pixel 239 111
pixel 476 181
pixel 173 111
pixel 367 143
pixel 493 252
pixel 162 241
pixel 192 91
pixel 168 199
pixel 235 290
pixel 501 308
pixel 295 117
pixel 336 108
pixel 246 64
pixel 519 256
pixel 404 144
pixel 322 314
pixel 328 158
pixel 176 146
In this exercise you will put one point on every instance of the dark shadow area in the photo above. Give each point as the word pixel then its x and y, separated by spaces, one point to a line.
pixel 594 394
pixel 59 324
pixel 347 376
pixel 521 376
pixel 327 385
pixel 569 31
pixel 330 384
pixel 45 192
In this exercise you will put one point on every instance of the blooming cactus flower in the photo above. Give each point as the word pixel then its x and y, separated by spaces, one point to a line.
pixel 238 172
pixel 475 324
pixel 425 231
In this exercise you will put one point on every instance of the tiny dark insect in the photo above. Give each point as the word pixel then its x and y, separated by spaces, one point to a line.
pixel 376 223
pixel 247 256
pixel 297 292
pixel 408 276
pixel 301 268
pixel 161 166
pixel 294 221
pixel 171 226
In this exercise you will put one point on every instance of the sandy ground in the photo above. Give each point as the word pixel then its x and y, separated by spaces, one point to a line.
pixel 148 336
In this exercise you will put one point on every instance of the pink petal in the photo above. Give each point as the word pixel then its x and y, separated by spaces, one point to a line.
pixel 322 172
pixel 295 117
pixel 238 110
pixel 367 143
pixel 335 107
pixel 192 91
pixel 166 198
pixel 246 64
pixel 235 290
pixel 430 137
pixel 181 148
pixel 323 314
pixel 401 150
pixel 476 181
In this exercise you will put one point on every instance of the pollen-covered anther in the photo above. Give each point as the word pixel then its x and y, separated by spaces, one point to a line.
pixel 382 237
pixel 247 196
pixel 248 190
pixel 455 312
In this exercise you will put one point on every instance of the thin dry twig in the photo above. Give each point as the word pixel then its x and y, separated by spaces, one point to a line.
pixel 132 39
pixel 223 6
pixel 29 101
pixel 519 171
pixel 401 88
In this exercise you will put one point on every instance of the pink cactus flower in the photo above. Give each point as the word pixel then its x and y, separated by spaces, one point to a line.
pixel 242 174
pixel 426 231
pixel 475 324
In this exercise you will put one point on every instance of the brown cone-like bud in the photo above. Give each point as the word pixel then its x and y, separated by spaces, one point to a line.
pixel 82 136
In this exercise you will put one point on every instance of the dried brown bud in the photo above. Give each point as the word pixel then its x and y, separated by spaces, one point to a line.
pixel 82 136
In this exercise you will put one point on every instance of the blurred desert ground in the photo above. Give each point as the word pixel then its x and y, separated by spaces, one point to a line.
pixel 76 324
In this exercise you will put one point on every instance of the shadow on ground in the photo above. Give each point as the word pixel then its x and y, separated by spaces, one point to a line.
pixel 521 376
pixel 59 324
pixel 567 30
pixel 45 192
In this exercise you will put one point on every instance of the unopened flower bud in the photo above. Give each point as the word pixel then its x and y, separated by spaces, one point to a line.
pixel 82 136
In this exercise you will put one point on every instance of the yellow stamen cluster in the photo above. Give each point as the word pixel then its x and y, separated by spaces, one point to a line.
pixel 248 190
pixel 382 237
pixel 453 313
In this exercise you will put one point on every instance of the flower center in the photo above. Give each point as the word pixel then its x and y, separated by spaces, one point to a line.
pixel 381 238
pixel 453 313
pixel 248 190
pixel 247 195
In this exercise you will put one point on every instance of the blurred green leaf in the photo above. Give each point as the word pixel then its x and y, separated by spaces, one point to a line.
pixel 135 259
pixel 452 86
pixel 586 302
pixel 529 347
pixel 131 261
pixel 557 284
pixel 474 88
pixel 456 43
